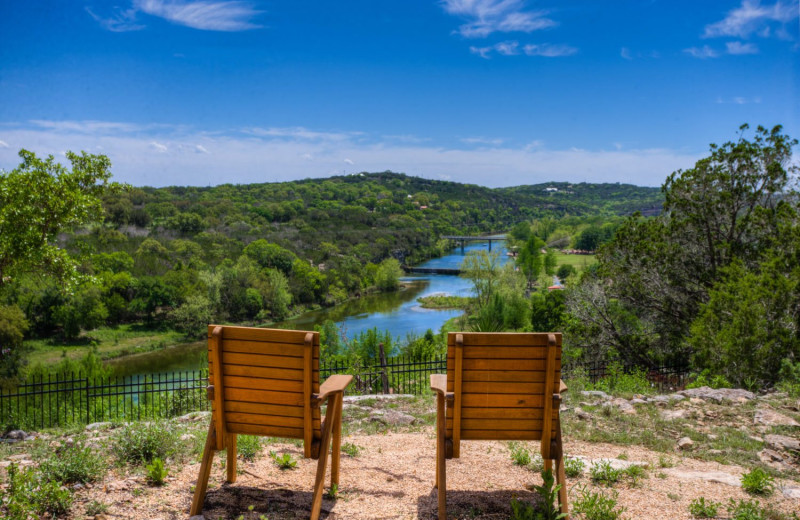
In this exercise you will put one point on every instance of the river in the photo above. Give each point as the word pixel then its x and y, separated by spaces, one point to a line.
pixel 398 312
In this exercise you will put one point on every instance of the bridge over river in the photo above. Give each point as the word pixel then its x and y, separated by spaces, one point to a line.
pixel 462 240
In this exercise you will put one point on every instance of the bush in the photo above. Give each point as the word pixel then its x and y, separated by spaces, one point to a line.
pixel 617 381
pixel 745 510
pixel 699 508
pixel 573 468
pixel 520 455
pixel 142 442
pixel 789 376
pixel 76 463
pixel 706 379
pixel 603 473
pixel 30 496
pixel 598 506
pixel 248 446
pixel 758 482
pixel 156 472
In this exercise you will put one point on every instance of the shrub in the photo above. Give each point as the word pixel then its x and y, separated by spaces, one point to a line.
pixel 142 442
pixel 156 472
pixel 351 449
pixel 248 446
pixel 598 506
pixel 758 482
pixel 95 508
pixel 617 381
pixel 573 468
pixel 635 473
pixel 789 376
pixel 520 455
pixel 603 473
pixel 283 461
pixel 30 496
pixel 76 463
pixel 707 379
pixel 699 508
pixel 745 510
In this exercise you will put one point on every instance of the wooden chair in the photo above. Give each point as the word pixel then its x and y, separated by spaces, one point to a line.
pixel 266 382
pixel 500 386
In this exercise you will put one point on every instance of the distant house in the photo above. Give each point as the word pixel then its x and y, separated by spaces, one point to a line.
pixel 558 287
pixel 551 189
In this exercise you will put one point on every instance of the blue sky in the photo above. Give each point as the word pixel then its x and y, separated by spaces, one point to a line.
pixel 492 92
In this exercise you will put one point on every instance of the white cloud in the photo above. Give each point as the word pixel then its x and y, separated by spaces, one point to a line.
pixel 741 48
pixel 482 140
pixel 752 18
pixel 507 48
pixel 626 53
pixel 702 53
pixel 206 15
pixel 483 52
pixel 299 132
pixel 161 158
pixel 485 17
pixel 201 149
pixel 349 161
pixel 549 50
pixel 3 144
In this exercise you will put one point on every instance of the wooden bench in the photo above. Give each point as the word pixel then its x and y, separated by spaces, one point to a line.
pixel 266 382
pixel 500 386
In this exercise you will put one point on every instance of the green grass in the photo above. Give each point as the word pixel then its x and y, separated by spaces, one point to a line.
pixel 445 302
pixel 579 262
pixel 111 342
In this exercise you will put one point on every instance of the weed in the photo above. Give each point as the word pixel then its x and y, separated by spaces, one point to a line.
pixel 598 506
pixel 142 442
pixel 573 468
pixel 635 473
pixel 661 475
pixel 333 492
pixel 603 473
pixel 745 510
pixel 673 496
pixel 699 508
pixel 623 456
pixel 95 508
pixel 351 449
pixel 248 447
pixel 156 472
pixel 520 455
pixel 29 496
pixel 283 461
pixel 758 482
pixel 665 462
pixel 74 463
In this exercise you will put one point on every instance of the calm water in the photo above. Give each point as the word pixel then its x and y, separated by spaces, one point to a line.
pixel 398 312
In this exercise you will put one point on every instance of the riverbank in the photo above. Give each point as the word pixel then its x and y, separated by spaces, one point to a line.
pixel 445 301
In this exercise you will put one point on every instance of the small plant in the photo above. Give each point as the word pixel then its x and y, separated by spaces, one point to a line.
pixel 95 508
pixel 699 508
pixel 137 443
pixel 665 462
pixel 635 473
pixel 29 496
pixel 520 455
pixel 333 492
pixel 758 482
pixel 598 506
pixel 573 467
pixel 283 461
pixel 623 456
pixel 156 472
pixel 661 475
pixel 673 496
pixel 351 449
pixel 603 473
pixel 745 510
pixel 248 447
pixel 74 463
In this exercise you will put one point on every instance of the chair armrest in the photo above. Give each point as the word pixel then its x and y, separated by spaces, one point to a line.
pixel 562 388
pixel 439 383
pixel 333 385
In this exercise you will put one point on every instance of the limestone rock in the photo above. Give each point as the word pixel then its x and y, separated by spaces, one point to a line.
pixel 770 417
pixel 719 395
pixel 791 492
pixel 685 443
pixel 17 435
pixel 99 426
pixel 671 415
pixel 194 416
pixel 596 393
pixel 582 414
pixel 719 477
pixel 667 398
pixel 391 417
pixel 782 442
pixel 198 517
pixel 621 404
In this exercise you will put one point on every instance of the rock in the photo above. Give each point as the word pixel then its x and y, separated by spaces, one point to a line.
pixel 377 397
pixel 667 398
pixel 719 477
pixel 198 517
pixel 623 406
pixel 715 452
pixel 17 435
pixel 685 443
pixel 671 415
pixel 391 417
pixel 769 417
pixel 782 442
pixel 773 459
pixel 791 492
pixel 194 416
pixel 638 400
pixel 596 393
pixel 18 457
pixel 718 395
pixel 582 414
pixel 187 437
pixel 99 426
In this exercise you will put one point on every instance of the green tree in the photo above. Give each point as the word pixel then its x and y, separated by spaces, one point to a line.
pixel 40 199
pixel 482 268
pixel 530 259
pixel 387 276
pixel 13 327
pixel 193 316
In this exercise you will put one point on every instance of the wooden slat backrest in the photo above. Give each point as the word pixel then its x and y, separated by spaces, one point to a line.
pixel 266 382
pixel 504 386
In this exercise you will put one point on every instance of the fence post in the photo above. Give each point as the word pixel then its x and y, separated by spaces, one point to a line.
pixel 88 411
pixel 384 375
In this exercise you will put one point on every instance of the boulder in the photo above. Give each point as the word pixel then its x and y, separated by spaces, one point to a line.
pixel 622 405
pixel 685 443
pixel 391 417
pixel 667 398
pixel 671 415
pixel 582 414
pixel 719 395
pixel 770 417
pixel 16 435
pixel 596 393
pixel 782 442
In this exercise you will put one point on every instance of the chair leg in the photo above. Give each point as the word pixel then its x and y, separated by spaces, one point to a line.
pixel 441 464
pixel 316 500
pixel 561 477
pixel 230 464
pixel 548 465
pixel 337 442
pixel 205 471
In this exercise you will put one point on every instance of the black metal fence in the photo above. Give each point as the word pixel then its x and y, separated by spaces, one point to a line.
pixel 58 400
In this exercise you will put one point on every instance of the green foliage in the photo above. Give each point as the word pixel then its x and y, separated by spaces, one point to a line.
pixel 618 381
pixel 745 510
pixel 758 482
pixel 193 316
pixel 387 277
pixel 573 468
pixel 520 455
pixel 548 497
pixel 700 508
pixel 602 473
pixel 30 496
pixel 75 463
pixel 547 311
pixel 142 442
pixel 13 326
pixel 705 378
pixel 482 268
pixel 598 505
pixel 95 508
pixel 40 199
pixel 789 376
pixel 248 446
pixel 565 271
pixel 156 472
pixel 530 259
pixel 284 460
pixel 351 449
